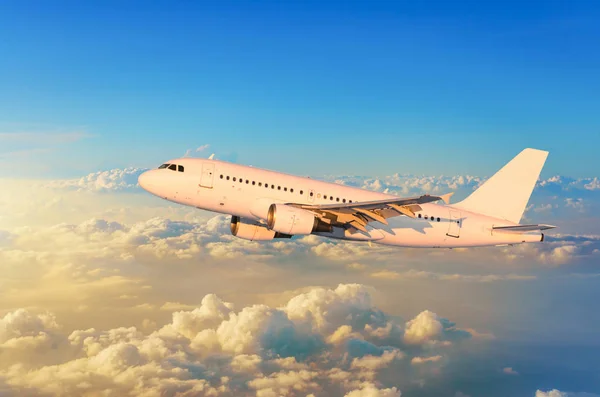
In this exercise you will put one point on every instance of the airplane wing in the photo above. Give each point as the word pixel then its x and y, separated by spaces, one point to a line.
pixel 356 215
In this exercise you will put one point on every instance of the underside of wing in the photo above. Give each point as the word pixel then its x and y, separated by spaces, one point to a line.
pixel 358 214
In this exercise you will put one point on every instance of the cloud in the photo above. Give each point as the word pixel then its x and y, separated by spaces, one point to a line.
pixel 429 328
pixel 42 138
pixel 576 204
pixel 199 149
pixel 423 360
pixel 103 181
pixel 509 371
pixel 421 274
pixel 594 184
pixel 558 393
pixel 216 350
pixel 122 283
pixel 369 390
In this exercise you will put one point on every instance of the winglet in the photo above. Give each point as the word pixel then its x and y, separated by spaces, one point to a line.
pixel 211 156
pixel 446 197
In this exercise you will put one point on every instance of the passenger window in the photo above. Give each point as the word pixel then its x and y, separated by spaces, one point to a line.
pixel 247 181
pixel 301 191
pixel 180 168
pixel 285 189
pixel 260 184
pixel 324 197
pixel 311 194
pixel 419 215
pixel 272 186
pixel 227 177
pixel 234 178
pixel 163 166
pixel 221 176
pixel 337 199
pixel 438 219
pixel 173 167
pixel 253 183
pixel 331 198
pixel 343 200
pixel 291 190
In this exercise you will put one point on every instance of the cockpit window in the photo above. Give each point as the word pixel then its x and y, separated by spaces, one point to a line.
pixel 173 167
pixel 163 166
pixel 180 168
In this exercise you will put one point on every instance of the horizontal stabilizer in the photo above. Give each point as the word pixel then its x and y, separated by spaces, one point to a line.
pixel 521 228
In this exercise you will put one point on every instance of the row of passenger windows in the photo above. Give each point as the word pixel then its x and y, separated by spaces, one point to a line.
pixel 285 189
pixel 172 167
pixel 433 219
pixel 291 190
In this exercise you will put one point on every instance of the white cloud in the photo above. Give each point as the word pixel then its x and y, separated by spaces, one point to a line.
pixel 202 148
pixel 576 204
pixel 214 350
pixel 594 184
pixel 429 328
pixel 103 181
pixel 42 137
pixel 558 393
pixel 423 360
pixel 509 371
pixel 421 274
pixel 370 390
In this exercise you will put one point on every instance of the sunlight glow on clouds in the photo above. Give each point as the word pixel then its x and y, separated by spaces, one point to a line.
pixel 216 350
pixel 104 288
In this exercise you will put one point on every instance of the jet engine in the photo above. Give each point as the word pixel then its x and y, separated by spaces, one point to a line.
pixel 291 220
pixel 250 230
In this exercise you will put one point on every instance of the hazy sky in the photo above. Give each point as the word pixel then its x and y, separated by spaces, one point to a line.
pixel 107 289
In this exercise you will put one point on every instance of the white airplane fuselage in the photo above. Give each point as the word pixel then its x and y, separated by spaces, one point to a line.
pixel 247 192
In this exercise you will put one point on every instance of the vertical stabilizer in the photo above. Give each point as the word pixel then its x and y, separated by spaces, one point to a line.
pixel 505 195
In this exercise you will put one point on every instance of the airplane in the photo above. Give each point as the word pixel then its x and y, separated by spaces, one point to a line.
pixel 267 205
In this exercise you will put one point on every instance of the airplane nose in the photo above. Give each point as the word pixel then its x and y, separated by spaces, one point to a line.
pixel 144 180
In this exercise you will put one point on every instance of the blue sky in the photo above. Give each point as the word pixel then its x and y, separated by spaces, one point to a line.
pixel 306 87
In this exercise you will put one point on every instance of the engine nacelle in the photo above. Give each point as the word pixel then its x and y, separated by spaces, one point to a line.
pixel 291 220
pixel 250 230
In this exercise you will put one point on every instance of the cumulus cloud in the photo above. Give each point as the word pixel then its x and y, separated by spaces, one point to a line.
pixel 428 327
pixel 103 181
pixel 216 350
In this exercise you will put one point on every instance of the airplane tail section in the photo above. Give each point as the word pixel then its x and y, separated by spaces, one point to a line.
pixel 505 195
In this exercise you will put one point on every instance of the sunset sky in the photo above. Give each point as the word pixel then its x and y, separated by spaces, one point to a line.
pixel 107 289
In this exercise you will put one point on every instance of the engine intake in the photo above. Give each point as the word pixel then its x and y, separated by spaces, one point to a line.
pixel 250 230
pixel 291 220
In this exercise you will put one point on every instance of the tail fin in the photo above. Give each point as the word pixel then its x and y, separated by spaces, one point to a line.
pixel 505 195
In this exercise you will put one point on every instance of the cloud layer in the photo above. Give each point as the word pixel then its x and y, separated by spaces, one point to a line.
pixel 331 341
